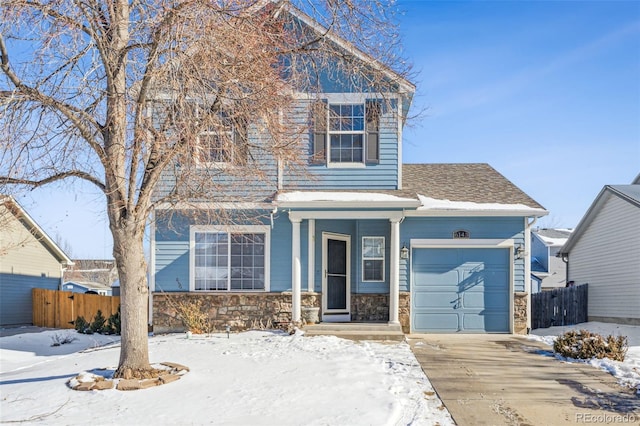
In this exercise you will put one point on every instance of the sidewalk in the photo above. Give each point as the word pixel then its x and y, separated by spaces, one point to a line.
pixel 504 380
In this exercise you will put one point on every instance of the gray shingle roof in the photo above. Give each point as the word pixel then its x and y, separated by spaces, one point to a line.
pixel 553 233
pixel 474 182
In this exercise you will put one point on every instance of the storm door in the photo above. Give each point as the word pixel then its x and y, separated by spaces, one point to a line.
pixel 336 289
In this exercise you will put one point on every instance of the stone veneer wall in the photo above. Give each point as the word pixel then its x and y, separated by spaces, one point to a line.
pixel 369 307
pixel 240 311
pixel 520 313
pixel 375 307
pixel 405 311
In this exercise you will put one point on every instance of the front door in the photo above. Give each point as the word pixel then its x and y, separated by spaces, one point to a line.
pixel 336 289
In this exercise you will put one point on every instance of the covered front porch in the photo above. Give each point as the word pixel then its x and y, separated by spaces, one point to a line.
pixel 352 259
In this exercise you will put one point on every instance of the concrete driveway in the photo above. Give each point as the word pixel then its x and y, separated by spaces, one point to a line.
pixel 504 380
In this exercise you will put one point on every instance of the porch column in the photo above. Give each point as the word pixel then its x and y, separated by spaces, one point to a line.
pixel 394 284
pixel 296 278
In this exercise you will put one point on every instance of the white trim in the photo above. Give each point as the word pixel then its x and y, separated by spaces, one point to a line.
pixel 340 237
pixel 508 243
pixel 480 212
pixel 311 255
pixel 345 165
pixel 384 259
pixel 247 229
pixel 394 280
pixel 315 214
pixel 296 272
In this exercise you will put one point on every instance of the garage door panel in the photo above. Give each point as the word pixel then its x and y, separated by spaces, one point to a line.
pixel 436 321
pixel 436 278
pixel 434 299
pixel 470 293
pixel 487 322
pixel 486 300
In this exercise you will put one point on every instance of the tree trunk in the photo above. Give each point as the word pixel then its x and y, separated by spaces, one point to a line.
pixel 128 252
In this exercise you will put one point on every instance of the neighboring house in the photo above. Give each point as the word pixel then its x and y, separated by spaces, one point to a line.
pixel 359 235
pixel 548 271
pixel 29 259
pixel 101 271
pixel 87 287
pixel 604 251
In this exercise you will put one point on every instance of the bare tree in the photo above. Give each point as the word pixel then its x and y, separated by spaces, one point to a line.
pixel 140 97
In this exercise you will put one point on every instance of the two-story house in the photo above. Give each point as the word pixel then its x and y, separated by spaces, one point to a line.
pixel 354 233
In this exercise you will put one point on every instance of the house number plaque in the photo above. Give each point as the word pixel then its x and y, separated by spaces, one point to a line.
pixel 461 233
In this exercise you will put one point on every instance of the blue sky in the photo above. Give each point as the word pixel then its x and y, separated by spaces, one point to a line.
pixel 547 92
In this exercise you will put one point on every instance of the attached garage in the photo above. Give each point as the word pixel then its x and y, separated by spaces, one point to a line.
pixel 461 289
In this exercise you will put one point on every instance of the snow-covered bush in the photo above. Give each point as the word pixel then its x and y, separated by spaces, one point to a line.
pixel 584 344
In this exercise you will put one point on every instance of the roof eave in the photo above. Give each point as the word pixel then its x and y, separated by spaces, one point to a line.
pixel 479 212
pixel 42 236
pixel 403 204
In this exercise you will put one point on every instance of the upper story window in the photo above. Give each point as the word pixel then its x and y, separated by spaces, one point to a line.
pixel 222 140
pixel 346 134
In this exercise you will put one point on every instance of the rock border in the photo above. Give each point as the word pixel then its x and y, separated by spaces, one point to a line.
pixel 87 381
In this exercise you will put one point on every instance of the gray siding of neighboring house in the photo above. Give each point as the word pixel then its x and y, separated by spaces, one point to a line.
pixel 27 264
pixel 607 256
pixel 15 297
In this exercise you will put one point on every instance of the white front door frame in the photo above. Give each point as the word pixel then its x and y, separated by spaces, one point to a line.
pixel 333 314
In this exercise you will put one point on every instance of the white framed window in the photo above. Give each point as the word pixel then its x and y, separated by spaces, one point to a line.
pixel 233 258
pixel 346 134
pixel 373 259
pixel 222 141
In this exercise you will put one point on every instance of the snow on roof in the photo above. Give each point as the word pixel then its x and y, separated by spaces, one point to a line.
pixel 553 241
pixel 435 204
pixel 339 196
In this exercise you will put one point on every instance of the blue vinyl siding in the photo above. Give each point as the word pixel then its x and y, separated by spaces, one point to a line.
pixel 16 303
pixel 356 229
pixel 172 254
pixel 383 175
pixel 479 228
pixel 238 185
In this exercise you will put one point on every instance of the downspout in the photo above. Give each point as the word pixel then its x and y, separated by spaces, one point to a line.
pixel 527 267
pixel 565 259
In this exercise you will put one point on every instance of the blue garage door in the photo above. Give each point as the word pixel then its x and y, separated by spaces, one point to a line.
pixel 460 290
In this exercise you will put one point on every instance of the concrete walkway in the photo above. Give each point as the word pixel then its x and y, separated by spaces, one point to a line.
pixel 504 380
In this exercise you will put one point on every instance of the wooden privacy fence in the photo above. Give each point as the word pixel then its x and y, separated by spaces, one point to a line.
pixel 59 309
pixel 560 306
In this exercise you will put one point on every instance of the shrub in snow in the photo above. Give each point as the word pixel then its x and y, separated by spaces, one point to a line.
pixel 194 316
pixel 82 326
pixel 99 324
pixel 58 339
pixel 584 344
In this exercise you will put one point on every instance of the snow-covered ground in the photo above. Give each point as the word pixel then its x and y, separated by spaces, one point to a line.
pixel 252 378
pixel 628 372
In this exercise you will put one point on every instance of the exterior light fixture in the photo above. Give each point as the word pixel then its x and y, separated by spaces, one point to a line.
pixel 519 252
pixel 404 252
